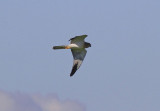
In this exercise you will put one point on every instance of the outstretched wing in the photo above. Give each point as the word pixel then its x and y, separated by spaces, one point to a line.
pixel 78 39
pixel 78 55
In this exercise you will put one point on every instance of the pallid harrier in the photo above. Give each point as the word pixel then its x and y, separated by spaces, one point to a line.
pixel 77 47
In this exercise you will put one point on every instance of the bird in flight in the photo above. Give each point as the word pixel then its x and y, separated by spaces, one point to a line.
pixel 77 46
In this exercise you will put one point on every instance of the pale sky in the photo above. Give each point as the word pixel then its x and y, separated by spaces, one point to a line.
pixel 120 71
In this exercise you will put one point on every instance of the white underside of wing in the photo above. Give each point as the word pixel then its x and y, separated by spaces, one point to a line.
pixel 78 55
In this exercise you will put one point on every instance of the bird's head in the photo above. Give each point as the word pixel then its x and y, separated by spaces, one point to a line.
pixel 87 45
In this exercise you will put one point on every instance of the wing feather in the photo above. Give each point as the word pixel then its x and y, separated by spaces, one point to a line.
pixel 78 55
pixel 78 39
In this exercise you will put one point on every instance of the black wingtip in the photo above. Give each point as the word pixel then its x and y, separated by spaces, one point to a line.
pixel 74 69
pixel 72 73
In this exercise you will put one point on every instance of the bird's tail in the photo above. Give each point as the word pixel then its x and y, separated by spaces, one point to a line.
pixel 61 47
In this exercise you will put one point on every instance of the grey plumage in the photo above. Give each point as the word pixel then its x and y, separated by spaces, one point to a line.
pixel 78 56
pixel 77 46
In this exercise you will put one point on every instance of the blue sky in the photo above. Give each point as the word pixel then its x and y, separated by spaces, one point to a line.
pixel 120 71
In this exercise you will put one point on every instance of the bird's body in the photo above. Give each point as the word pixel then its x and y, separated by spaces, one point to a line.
pixel 78 50
pixel 75 46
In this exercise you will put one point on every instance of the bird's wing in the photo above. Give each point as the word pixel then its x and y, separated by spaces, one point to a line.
pixel 78 55
pixel 78 39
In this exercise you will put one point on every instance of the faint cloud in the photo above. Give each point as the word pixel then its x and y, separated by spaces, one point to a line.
pixel 6 102
pixel 36 102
